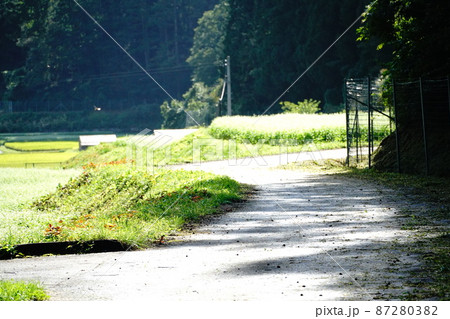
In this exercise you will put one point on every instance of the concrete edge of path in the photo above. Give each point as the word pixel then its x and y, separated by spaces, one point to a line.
pixel 64 248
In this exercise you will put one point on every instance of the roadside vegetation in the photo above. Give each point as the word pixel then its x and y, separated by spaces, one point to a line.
pixel 226 138
pixel 233 137
pixel 116 201
pixel 430 232
pixel 12 290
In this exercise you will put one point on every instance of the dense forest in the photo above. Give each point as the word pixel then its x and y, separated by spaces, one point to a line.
pixel 54 54
pixel 55 58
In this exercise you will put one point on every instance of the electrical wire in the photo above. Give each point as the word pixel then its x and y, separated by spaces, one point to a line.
pixel 317 60
pixel 130 56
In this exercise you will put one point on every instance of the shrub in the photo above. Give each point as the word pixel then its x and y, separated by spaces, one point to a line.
pixel 306 107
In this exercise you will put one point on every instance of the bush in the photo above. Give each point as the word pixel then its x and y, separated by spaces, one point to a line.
pixel 306 107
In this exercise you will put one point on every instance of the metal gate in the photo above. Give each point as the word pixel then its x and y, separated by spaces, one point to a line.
pixel 369 119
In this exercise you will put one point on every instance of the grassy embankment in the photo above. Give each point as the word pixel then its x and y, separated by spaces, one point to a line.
pixel 110 202
pixel 12 290
pixel 430 236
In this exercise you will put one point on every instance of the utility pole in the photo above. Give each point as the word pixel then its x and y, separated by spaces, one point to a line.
pixel 227 62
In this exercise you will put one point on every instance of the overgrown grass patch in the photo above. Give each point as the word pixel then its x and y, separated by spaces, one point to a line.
pixel 12 290
pixel 119 202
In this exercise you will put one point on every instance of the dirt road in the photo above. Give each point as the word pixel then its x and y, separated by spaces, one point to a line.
pixel 300 236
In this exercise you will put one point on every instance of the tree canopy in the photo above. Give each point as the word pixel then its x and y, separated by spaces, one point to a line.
pixel 272 43
pixel 56 52
pixel 417 32
pixel 51 50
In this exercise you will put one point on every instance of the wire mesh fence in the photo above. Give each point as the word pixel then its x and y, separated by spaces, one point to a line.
pixel 412 118
pixel 369 119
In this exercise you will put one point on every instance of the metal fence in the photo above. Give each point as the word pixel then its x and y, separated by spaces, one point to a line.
pixel 368 119
pixel 417 115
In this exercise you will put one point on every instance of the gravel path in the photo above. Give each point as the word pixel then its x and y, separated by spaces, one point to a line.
pixel 300 236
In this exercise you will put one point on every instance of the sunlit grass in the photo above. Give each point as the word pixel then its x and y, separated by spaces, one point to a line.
pixel 20 186
pixel 12 290
pixel 295 127
pixel 114 202
pixel 39 159
pixel 281 122
pixel 42 146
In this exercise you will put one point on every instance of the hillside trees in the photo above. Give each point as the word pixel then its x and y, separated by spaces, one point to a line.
pixel 418 31
pixel 271 44
pixel 200 102
pixel 11 55
pixel 66 56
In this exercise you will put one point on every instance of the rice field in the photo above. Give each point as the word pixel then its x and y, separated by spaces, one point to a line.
pixel 42 146
pixel 19 186
pixel 24 150
pixel 282 122
pixel 35 159
pixel 296 127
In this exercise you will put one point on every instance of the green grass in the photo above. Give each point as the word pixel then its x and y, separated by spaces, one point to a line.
pixel 42 146
pixel 267 128
pixel 11 290
pixel 235 137
pixel 40 159
pixel 20 186
pixel 118 202
pixel 199 146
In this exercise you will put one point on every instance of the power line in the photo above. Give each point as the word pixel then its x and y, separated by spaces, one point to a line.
pixel 130 56
pixel 317 60
pixel 123 49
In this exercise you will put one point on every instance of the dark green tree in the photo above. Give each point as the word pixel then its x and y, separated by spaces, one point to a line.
pixel 68 57
pixel 271 44
pixel 207 52
pixel 417 31
pixel 11 55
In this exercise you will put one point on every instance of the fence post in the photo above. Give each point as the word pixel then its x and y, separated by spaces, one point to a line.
pixel 427 170
pixel 347 120
pixel 397 135
pixel 369 124
pixel 448 94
